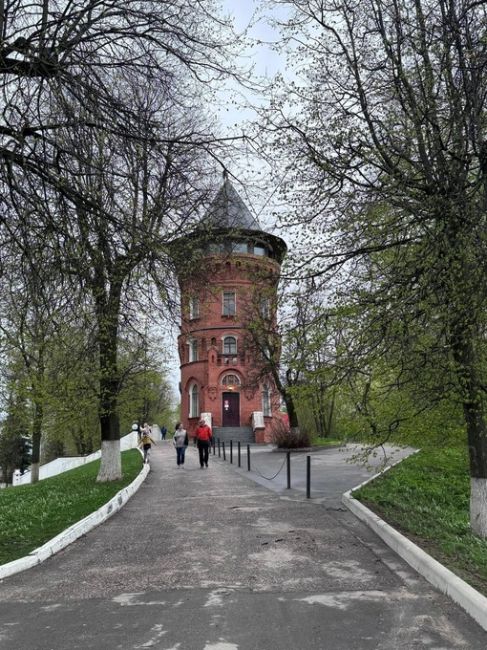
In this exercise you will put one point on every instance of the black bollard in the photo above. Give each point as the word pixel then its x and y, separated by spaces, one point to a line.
pixel 219 449
pixel 231 452
pixel 239 453
pixel 248 458
pixel 288 462
pixel 223 449
pixel 308 477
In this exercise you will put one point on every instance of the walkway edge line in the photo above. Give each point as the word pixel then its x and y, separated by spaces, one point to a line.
pixel 472 601
pixel 75 531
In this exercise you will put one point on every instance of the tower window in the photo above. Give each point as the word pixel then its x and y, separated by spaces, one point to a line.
pixel 240 247
pixel 194 401
pixel 231 380
pixel 194 307
pixel 229 345
pixel 265 308
pixel 193 349
pixel 266 400
pixel 229 307
pixel 260 250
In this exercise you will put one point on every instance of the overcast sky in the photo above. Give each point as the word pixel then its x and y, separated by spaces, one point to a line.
pixel 265 62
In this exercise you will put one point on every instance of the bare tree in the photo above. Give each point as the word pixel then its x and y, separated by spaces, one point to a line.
pixel 75 51
pixel 390 146
pixel 95 139
pixel 138 195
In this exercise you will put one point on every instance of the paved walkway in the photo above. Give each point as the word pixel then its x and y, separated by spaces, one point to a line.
pixel 210 560
pixel 333 470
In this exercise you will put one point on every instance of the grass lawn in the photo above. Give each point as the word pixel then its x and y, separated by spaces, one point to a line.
pixel 426 497
pixel 30 515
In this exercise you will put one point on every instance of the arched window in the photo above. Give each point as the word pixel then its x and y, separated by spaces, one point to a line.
pixel 229 345
pixel 266 400
pixel 194 401
pixel 231 380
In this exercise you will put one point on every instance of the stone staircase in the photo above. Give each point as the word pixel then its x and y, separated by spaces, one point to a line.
pixel 245 435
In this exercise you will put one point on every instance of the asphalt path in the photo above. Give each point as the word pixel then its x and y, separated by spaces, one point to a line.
pixel 211 560
pixel 333 471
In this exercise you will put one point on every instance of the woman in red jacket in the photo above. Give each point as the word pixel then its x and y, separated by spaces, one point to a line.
pixel 203 440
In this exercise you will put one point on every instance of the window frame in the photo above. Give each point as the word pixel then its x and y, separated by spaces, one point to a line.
pixel 193 350
pixel 225 304
pixel 235 345
pixel 266 401
pixel 194 400
pixel 265 308
pixel 235 383
pixel 194 307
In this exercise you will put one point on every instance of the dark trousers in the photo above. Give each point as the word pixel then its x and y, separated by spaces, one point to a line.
pixel 203 449
pixel 180 455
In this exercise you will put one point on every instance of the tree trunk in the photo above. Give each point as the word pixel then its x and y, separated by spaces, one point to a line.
pixel 111 461
pixel 291 412
pixel 108 314
pixel 34 472
pixel 464 355
pixel 36 444
pixel 37 427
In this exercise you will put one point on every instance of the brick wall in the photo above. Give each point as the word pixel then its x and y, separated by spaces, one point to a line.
pixel 254 281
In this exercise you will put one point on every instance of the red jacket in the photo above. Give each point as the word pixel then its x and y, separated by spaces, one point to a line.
pixel 203 433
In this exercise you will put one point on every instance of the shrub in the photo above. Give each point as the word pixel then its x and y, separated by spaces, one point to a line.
pixel 284 438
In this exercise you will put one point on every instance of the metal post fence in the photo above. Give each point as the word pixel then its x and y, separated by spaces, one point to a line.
pixel 308 477
pixel 219 449
pixel 223 450
pixel 239 453
pixel 288 462
pixel 248 458
pixel 231 452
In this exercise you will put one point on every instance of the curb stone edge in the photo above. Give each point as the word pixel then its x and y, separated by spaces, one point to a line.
pixel 75 531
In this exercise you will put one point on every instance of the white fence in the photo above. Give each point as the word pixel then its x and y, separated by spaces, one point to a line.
pixel 60 465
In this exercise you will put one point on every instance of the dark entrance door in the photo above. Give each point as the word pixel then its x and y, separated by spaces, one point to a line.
pixel 230 410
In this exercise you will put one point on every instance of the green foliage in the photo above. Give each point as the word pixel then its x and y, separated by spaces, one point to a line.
pixel 146 397
pixel 30 515
pixel 70 387
pixel 398 414
pixel 427 497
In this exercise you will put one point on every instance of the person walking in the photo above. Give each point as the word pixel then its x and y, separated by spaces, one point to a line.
pixel 180 441
pixel 203 440
pixel 163 432
pixel 146 441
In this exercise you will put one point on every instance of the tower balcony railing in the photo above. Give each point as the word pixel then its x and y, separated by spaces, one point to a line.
pixel 231 360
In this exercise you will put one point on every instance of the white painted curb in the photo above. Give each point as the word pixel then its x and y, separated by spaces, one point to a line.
pixel 76 530
pixel 473 602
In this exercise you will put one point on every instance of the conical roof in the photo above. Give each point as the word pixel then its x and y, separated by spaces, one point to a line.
pixel 228 211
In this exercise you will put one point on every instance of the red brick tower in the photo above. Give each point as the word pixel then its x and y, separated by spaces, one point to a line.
pixel 234 285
